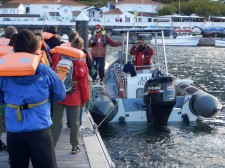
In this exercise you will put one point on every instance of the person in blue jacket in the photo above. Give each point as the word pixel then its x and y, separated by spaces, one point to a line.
pixel 29 136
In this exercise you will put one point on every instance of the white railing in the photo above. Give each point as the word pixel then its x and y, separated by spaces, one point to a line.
pixel 120 24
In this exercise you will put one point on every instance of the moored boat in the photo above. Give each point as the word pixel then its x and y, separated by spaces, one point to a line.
pixel 151 94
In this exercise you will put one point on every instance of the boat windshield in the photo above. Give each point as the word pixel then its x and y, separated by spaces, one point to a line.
pixel 131 35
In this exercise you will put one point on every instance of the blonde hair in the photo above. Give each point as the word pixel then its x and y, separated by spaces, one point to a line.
pixel 78 43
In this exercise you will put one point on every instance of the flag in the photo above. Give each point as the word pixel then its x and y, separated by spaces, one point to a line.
pixel 135 14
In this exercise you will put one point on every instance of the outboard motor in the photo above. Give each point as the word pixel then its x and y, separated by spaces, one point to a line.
pixel 160 99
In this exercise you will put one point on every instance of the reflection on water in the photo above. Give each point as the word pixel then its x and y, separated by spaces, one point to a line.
pixel 201 144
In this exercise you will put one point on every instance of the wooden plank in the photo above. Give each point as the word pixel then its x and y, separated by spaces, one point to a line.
pixel 92 154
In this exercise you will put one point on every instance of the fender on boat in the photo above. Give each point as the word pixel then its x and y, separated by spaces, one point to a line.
pixel 201 103
pixel 104 107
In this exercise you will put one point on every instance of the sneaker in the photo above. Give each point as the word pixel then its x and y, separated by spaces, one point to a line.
pixel 75 150
pixel 3 147
pixel 101 82
pixel 94 82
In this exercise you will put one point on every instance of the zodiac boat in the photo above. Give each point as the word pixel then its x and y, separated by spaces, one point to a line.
pixel 149 94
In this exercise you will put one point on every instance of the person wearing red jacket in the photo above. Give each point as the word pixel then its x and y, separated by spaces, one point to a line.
pixel 143 54
pixel 98 42
pixel 73 102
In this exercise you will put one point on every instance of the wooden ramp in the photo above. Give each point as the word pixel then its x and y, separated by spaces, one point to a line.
pixel 93 152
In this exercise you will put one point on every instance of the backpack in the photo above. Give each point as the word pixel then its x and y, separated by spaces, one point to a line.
pixel 64 70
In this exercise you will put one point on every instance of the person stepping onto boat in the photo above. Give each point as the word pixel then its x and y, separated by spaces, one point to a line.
pixel 98 43
pixel 143 54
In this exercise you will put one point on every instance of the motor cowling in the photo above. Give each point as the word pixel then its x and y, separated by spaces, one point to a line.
pixel 160 98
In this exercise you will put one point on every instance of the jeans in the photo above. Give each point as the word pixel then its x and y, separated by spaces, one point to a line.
pixel 99 65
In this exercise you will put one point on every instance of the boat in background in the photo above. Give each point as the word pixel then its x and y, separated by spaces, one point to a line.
pixel 149 93
pixel 212 32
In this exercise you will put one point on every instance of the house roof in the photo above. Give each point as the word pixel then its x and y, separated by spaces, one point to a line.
pixel 75 13
pixel 10 5
pixel 50 2
pixel 54 14
pixel 136 2
pixel 113 11
pixel 94 8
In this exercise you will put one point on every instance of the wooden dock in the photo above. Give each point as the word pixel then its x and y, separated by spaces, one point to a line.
pixel 93 152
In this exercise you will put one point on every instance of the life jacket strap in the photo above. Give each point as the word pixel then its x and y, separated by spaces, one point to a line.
pixel 24 107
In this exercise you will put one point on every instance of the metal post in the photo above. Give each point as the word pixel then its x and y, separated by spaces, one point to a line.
pixel 82 27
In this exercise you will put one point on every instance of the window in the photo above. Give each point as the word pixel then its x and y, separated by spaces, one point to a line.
pixel 5 11
pixel 12 11
pixel 65 10
pixel 140 92
pixel 127 19
pixel 45 7
pixel 27 9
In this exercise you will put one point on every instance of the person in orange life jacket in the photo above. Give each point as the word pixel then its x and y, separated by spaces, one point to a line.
pixel 73 102
pixel 8 33
pixel 29 134
pixel 43 48
pixel 98 42
pixel 143 54
pixel 79 44
pixel 54 40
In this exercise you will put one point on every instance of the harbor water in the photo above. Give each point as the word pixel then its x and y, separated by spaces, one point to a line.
pixel 199 145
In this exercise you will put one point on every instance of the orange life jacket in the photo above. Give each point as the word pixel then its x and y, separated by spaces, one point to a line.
pixel 69 51
pixel 5 50
pixel 18 64
pixel 48 35
pixel 67 44
pixel 4 41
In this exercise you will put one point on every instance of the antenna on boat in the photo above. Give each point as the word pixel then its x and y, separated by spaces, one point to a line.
pixel 164 52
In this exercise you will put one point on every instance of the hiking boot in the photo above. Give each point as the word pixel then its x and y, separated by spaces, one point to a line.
pixel 75 150
pixel 101 82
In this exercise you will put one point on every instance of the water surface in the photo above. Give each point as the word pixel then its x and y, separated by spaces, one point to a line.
pixel 199 145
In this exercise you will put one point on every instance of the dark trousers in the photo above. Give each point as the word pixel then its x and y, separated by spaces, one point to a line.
pixel 36 145
pixel 99 64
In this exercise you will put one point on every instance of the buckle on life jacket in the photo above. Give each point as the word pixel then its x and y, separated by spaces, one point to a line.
pixel 24 107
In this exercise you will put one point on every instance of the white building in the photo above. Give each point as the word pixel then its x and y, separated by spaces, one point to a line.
pixel 44 7
pixel 136 5
pixel 112 15
pixel 15 8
